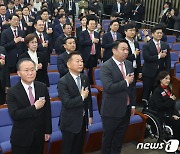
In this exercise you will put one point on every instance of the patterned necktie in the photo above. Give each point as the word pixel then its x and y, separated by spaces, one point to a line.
pixel 122 69
pixel 158 47
pixel 79 83
pixel 31 97
pixel 93 45
pixel 114 36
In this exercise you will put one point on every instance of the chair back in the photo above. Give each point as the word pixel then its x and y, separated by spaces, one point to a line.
pixel 96 76
pixel 177 70
pixel 14 79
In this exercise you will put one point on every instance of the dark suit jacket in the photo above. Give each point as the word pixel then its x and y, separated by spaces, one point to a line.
pixel 115 8
pixel 44 50
pixel 131 57
pixel 127 10
pixel 107 45
pixel 86 45
pixel 61 64
pixel 59 48
pixel 4 73
pixel 73 12
pixel 72 104
pixel 57 31
pixel 162 103
pixel 26 119
pixel 42 75
pixel 151 62
pixel 13 49
pixel 140 14
pixel 115 90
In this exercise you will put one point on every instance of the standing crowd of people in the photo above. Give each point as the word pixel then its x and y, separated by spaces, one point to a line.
pixel 30 35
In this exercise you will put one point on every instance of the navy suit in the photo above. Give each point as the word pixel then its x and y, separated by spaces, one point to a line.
pixel 152 65
pixel 45 50
pixel 59 48
pixel 90 61
pixel 13 49
pixel 138 16
pixel 58 30
pixel 61 64
pixel 107 44
pixel 115 8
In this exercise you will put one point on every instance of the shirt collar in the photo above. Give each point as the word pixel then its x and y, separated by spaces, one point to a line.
pixel 117 62
pixel 129 41
pixel 26 86
pixel 74 76
pixel 156 42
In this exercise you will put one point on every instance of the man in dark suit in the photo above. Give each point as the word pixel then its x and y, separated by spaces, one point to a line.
pixel 29 107
pixel 74 91
pixel 67 31
pixel 43 39
pixel 70 7
pixel 109 38
pixel 118 100
pixel 90 46
pixel 4 24
pixel 13 41
pixel 156 56
pixel 128 7
pixel 70 46
pixel 4 75
pixel 118 7
pixel 10 9
pixel 134 52
pixel 138 12
pixel 58 29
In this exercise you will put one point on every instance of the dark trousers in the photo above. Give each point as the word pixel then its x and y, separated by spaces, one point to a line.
pixel 37 146
pixel 2 94
pixel 114 130
pixel 73 142
pixel 90 64
pixel 148 86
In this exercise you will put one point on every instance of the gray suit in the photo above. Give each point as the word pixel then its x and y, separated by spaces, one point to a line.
pixel 114 109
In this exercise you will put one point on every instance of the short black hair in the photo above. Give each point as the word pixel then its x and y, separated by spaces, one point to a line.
pixel 157 27
pixel 67 38
pixel 91 17
pixel 44 10
pixel 116 43
pixel 129 26
pixel 70 55
pixel 113 22
pixel 10 1
pixel 61 15
pixel 22 60
pixel 25 7
pixel 12 15
pixel 35 22
pixel 66 24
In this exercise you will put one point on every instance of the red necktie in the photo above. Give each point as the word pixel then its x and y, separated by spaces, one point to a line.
pixel 93 45
pixel 31 97
pixel 15 34
pixel 158 47
pixel 40 38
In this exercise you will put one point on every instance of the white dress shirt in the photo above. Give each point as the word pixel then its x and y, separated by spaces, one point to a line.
pixel 27 90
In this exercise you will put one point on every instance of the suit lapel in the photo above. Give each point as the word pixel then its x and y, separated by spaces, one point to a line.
pixel 116 69
pixel 72 83
pixel 24 94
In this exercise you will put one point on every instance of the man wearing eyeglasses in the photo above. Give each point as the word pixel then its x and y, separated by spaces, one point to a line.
pixel 29 107
pixel 13 41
